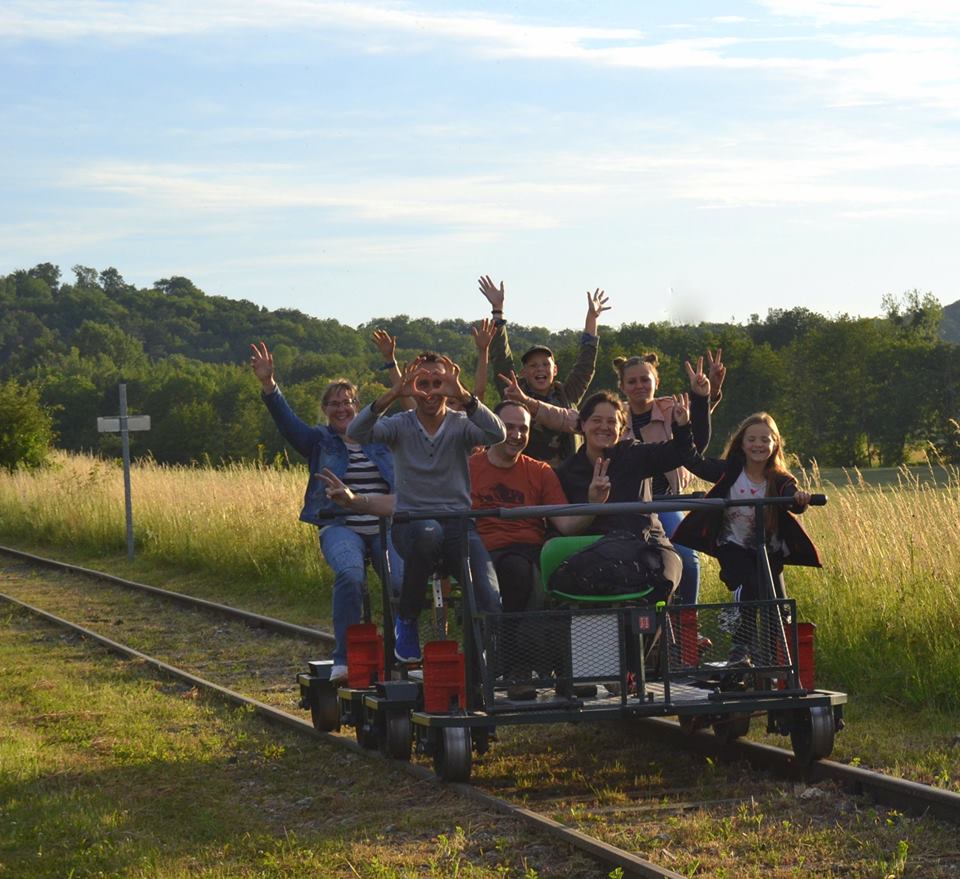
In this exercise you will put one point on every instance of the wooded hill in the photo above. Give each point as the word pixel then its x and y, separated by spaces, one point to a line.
pixel 845 391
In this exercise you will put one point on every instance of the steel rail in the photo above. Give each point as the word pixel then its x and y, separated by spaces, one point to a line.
pixel 900 793
pixel 253 619
pixel 908 796
pixel 632 865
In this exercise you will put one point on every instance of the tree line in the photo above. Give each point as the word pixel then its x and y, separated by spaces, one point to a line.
pixel 846 391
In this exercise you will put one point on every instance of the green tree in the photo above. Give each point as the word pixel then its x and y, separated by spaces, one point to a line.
pixel 26 427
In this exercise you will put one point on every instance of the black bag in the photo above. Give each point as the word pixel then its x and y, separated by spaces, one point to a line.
pixel 618 567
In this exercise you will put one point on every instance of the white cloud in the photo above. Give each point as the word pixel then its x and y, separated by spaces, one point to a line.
pixel 867 11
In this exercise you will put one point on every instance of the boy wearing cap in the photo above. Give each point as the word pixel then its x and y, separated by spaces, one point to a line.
pixel 538 373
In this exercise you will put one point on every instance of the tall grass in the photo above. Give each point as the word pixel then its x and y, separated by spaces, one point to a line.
pixel 886 604
pixel 238 523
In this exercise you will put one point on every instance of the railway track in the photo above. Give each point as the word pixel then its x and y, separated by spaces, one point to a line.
pixel 636 805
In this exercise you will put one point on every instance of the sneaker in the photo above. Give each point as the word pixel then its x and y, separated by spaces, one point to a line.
pixel 338 673
pixel 740 656
pixel 406 641
pixel 728 619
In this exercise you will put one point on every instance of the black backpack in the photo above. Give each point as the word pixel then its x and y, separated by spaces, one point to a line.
pixel 618 567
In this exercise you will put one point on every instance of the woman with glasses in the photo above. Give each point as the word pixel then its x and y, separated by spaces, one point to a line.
pixel 353 535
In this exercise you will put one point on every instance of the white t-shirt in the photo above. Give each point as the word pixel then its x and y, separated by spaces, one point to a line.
pixel 739 523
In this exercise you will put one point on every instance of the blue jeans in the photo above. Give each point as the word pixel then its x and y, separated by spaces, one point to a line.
pixel 427 544
pixel 689 589
pixel 346 553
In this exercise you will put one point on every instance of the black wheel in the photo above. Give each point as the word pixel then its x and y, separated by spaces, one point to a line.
pixel 366 734
pixel 812 733
pixel 731 727
pixel 398 736
pixel 325 709
pixel 453 756
pixel 690 723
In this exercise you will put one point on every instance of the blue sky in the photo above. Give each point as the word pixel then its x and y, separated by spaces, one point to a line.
pixel 698 160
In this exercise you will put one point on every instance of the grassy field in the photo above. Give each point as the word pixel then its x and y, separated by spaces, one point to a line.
pixel 887 602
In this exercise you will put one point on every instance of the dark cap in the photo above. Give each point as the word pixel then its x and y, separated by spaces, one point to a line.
pixel 536 349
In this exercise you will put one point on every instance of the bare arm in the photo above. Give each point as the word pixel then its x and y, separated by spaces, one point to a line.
pixel 387 346
pixel 545 414
pixel 483 334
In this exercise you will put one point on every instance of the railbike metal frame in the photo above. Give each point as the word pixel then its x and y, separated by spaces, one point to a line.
pixel 699 696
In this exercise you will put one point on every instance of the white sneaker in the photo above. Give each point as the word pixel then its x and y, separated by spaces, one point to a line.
pixel 338 673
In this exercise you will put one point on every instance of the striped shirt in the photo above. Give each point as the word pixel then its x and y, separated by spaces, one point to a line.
pixel 363 477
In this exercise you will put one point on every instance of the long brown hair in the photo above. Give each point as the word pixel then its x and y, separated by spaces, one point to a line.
pixel 776 464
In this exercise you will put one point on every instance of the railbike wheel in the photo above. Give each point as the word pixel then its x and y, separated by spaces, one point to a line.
pixel 398 735
pixel 731 727
pixel 366 733
pixel 325 709
pixel 811 733
pixel 690 723
pixel 452 760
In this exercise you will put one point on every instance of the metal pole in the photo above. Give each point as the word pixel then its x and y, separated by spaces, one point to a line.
pixel 125 441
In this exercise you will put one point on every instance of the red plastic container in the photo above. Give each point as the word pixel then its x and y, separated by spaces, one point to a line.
pixel 444 678
pixel 364 655
pixel 689 654
pixel 805 633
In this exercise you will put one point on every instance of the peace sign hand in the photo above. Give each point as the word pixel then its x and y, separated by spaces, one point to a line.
pixel 718 372
pixel 337 490
pixel 599 489
pixel 512 391
pixel 699 383
pixel 681 409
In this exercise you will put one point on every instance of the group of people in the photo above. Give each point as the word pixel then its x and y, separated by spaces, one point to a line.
pixel 429 446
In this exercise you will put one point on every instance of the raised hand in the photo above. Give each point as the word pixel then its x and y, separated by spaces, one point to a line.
pixel 596 303
pixel 493 293
pixel 386 345
pixel 681 409
pixel 483 334
pixel 699 383
pixel 718 372
pixel 599 489
pixel 261 361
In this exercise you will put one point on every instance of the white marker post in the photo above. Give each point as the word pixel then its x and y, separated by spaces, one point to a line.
pixel 123 425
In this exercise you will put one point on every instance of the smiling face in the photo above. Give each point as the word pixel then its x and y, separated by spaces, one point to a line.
pixel 516 420
pixel 639 384
pixel 602 428
pixel 540 370
pixel 759 443
pixel 340 409
pixel 430 383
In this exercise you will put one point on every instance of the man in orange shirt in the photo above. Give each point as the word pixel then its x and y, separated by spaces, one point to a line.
pixel 502 476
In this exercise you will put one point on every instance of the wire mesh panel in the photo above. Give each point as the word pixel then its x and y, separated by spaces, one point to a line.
pixel 543 648
pixel 758 635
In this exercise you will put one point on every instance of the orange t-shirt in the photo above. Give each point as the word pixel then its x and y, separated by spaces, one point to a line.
pixel 527 483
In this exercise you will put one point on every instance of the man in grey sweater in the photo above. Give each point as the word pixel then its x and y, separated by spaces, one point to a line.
pixel 430 445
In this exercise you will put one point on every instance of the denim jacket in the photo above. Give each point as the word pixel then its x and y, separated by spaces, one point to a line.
pixel 322 447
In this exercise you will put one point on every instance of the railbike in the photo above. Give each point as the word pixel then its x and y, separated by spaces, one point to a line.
pixel 709 665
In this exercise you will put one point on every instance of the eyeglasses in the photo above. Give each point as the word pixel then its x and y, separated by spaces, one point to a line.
pixel 340 404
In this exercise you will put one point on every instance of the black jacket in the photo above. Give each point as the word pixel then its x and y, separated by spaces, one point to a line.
pixel 700 529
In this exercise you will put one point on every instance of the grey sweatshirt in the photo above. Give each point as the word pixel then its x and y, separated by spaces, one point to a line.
pixel 431 471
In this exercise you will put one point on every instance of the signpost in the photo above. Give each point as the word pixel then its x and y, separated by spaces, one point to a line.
pixel 123 425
